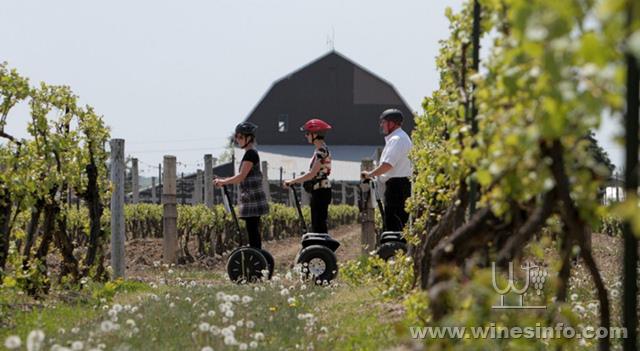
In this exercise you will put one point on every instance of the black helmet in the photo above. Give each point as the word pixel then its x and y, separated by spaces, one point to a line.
pixel 392 114
pixel 246 128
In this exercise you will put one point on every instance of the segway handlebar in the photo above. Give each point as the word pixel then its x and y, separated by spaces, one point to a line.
pixel 297 202
pixel 233 213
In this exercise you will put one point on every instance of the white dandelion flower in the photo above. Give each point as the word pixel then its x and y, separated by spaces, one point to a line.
pixel 250 324
pixel 574 297
pixel 204 327
pixel 229 314
pixel 12 342
pixel 284 292
pixel 211 313
pixel 106 326
pixel 259 336
pixel 253 345
pixel 207 348
pixel 243 347
pixel 35 340
pixel 230 340
pixel 246 299
pixel 77 345
pixel 214 330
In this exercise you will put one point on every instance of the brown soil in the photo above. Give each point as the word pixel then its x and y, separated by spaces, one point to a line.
pixel 142 254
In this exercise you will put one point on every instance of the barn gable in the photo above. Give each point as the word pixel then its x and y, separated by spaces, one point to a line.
pixel 335 89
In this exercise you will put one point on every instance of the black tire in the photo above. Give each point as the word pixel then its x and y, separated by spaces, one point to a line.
pixel 389 249
pixel 246 264
pixel 270 261
pixel 318 263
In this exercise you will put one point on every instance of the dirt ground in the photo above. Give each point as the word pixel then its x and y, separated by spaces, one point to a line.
pixel 143 254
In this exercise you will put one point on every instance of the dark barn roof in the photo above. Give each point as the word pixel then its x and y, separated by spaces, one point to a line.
pixel 332 88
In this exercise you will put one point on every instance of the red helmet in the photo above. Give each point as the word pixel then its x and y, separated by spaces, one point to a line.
pixel 315 126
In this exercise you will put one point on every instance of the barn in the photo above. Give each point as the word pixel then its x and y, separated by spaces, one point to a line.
pixel 337 90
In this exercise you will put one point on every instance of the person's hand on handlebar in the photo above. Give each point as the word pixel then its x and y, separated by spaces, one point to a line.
pixel 365 175
pixel 219 182
pixel 288 183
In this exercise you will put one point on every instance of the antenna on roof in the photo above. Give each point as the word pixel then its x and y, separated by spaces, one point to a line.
pixel 331 39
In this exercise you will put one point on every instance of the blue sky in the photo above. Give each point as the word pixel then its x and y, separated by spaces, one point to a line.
pixel 174 77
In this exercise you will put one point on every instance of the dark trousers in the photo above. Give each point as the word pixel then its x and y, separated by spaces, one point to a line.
pixel 319 203
pixel 396 194
pixel 253 229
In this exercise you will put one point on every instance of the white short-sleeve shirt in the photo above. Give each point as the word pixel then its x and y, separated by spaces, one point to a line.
pixel 396 153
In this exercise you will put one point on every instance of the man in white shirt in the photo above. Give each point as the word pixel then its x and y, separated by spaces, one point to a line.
pixel 394 169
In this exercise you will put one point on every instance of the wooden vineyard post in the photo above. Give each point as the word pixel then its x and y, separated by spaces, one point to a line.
pixel 117 208
pixel 208 180
pixel 170 211
pixel 367 213
pixel 265 180
pixel 135 181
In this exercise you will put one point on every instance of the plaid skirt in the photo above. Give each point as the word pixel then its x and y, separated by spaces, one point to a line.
pixel 252 200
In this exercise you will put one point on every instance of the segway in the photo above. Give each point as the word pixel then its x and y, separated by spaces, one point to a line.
pixel 389 242
pixel 317 256
pixel 245 264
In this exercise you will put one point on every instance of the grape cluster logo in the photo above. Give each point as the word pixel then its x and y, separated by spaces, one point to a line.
pixel 532 274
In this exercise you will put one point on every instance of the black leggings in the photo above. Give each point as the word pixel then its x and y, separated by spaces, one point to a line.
pixel 253 229
pixel 397 191
pixel 320 200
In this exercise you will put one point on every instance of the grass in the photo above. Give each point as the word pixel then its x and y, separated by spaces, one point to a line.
pixel 192 310
pixel 21 314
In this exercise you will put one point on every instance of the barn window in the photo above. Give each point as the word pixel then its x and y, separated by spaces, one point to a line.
pixel 283 123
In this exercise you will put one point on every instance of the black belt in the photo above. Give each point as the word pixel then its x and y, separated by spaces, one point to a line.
pixel 398 179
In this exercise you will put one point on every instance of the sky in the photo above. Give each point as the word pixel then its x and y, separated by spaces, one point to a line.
pixel 175 77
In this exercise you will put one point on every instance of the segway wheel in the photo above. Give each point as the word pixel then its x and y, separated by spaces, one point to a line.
pixel 318 263
pixel 246 264
pixel 270 262
pixel 389 249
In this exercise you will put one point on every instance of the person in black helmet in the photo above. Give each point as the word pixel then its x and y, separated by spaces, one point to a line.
pixel 394 169
pixel 252 200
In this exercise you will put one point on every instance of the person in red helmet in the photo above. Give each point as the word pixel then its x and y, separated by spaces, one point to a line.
pixel 316 181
